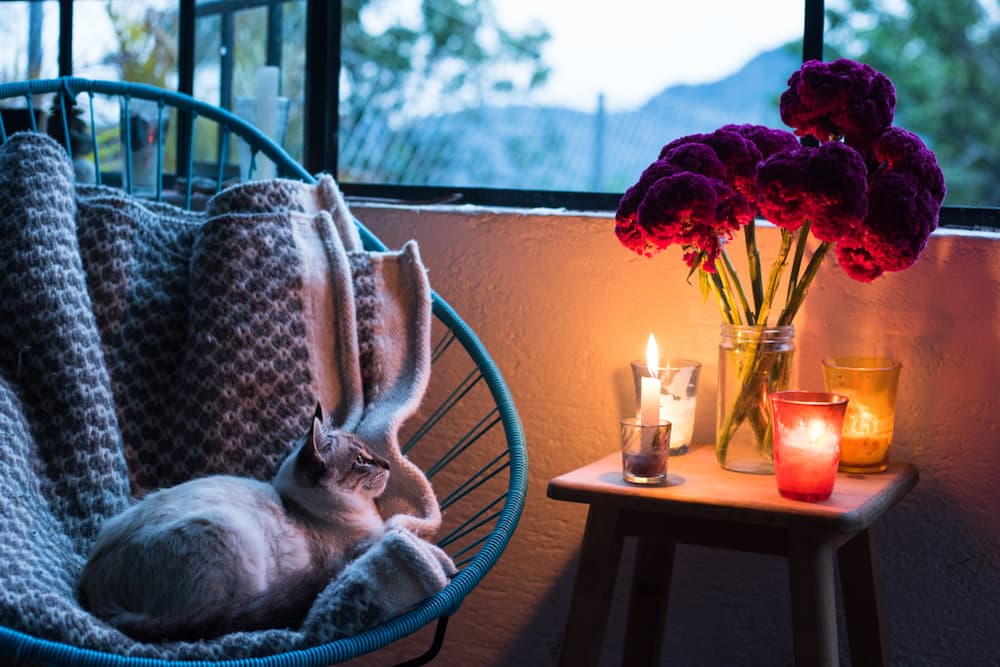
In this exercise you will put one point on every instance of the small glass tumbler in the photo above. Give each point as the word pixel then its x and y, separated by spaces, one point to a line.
pixel 807 427
pixel 678 394
pixel 870 383
pixel 644 451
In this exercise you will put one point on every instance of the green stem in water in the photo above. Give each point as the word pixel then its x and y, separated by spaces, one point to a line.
pixel 775 276
pixel 753 261
pixel 802 288
pixel 731 315
pixel 762 372
pixel 800 248
pixel 733 283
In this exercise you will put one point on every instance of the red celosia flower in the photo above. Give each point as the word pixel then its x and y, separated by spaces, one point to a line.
pixel 857 262
pixel 899 150
pixel 691 196
pixel 837 99
pixel 693 211
pixel 904 201
pixel 901 217
pixel 767 140
pixel 737 154
pixel 877 194
pixel 629 203
pixel 697 158
pixel 824 185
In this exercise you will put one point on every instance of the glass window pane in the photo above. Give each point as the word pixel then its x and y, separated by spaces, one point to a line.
pixel 126 40
pixel 29 33
pixel 232 45
pixel 556 95
pixel 942 59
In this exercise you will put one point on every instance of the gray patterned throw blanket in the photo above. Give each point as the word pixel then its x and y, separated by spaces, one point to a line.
pixel 142 345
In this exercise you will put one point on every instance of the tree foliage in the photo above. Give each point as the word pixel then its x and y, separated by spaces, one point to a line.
pixel 944 59
pixel 453 53
pixel 147 43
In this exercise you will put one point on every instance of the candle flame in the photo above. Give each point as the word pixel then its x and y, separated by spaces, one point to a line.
pixel 652 356
pixel 816 429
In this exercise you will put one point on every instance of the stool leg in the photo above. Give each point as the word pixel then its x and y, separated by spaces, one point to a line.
pixel 862 605
pixel 814 604
pixel 595 581
pixel 647 611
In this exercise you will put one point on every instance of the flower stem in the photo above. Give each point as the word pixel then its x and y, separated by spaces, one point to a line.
pixel 800 247
pixel 802 288
pixel 759 372
pixel 732 316
pixel 733 281
pixel 775 277
pixel 753 260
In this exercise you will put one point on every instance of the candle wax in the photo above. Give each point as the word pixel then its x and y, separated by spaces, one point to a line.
pixel 806 459
pixel 649 401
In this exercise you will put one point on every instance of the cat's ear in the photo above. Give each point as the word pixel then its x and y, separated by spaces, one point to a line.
pixel 319 412
pixel 309 459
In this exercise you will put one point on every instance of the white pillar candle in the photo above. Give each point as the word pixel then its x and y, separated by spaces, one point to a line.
pixel 649 388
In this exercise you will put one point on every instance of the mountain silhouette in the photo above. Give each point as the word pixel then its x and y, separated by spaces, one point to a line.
pixel 553 148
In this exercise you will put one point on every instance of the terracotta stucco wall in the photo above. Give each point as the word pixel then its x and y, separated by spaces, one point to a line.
pixel 563 308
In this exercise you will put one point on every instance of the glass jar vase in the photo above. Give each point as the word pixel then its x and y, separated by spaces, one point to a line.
pixel 753 362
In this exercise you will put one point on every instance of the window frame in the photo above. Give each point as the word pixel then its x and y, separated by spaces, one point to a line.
pixel 321 97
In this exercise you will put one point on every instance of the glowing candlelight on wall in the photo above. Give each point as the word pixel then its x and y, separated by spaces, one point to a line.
pixel 649 395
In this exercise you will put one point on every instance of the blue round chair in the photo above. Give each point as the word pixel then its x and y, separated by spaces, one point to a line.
pixel 467 437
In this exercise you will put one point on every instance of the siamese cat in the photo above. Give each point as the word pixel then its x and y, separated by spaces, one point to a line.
pixel 223 553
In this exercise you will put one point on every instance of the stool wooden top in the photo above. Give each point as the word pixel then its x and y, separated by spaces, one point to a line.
pixel 697 486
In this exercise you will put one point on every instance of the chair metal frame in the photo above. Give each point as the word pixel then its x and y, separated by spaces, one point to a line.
pixel 481 537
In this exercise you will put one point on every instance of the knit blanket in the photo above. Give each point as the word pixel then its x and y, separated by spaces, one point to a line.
pixel 142 345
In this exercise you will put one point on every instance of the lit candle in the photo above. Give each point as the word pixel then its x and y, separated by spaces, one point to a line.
pixel 649 391
pixel 812 436
pixel 807 431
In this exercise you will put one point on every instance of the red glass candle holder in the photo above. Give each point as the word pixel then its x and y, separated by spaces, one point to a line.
pixel 807 430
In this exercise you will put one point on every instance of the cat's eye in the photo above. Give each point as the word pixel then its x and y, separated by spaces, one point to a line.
pixel 360 460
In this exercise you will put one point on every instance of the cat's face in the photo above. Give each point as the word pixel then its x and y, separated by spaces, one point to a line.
pixel 339 461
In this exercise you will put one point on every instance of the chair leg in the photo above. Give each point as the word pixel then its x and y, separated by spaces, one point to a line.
pixel 436 643
pixel 859 584
pixel 595 581
pixel 647 612
pixel 814 604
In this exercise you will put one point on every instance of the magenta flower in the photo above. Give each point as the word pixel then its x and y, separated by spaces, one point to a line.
pixel 871 191
pixel 697 195
pixel 839 99
pixel 905 196
pixel 899 150
pixel 824 185
pixel 737 154
pixel 768 141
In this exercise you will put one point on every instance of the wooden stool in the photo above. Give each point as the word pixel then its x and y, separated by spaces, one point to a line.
pixel 706 505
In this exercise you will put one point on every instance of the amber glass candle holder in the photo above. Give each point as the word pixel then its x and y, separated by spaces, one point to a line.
pixel 870 383
pixel 807 427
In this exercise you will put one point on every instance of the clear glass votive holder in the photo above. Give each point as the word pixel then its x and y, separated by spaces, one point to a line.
pixel 645 450
pixel 870 383
pixel 807 427
pixel 678 395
